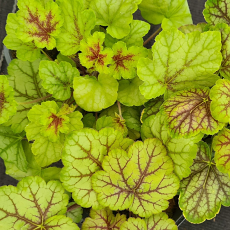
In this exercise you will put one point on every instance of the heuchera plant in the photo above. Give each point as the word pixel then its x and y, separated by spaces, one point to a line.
pixel 133 127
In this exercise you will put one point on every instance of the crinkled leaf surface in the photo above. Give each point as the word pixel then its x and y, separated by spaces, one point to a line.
pixel 154 11
pixel 58 78
pixel 188 113
pixel 76 213
pixel 206 188
pixel 24 78
pixel 103 219
pixel 39 22
pixel 107 15
pixel 77 26
pixel 33 204
pixel 180 61
pixel 134 224
pixel 93 94
pixel 220 96
pixel 84 152
pixel 140 180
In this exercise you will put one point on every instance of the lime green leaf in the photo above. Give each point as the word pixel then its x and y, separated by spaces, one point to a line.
pixel 93 94
pixel 103 219
pixel 39 22
pixel 93 55
pixel 220 96
pixel 134 224
pixel 84 152
pixel 107 15
pixel 201 27
pixel 125 60
pixel 140 180
pixel 77 26
pixel 34 204
pixel 89 120
pixel 160 222
pixel 23 77
pixel 217 11
pixel 221 144
pixel 181 150
pixel 180 62
pixel 58 78
pixel 154 11
pixel 76 213
pixel 11 149
pixel 61 58
pixel 188 113
pixel 8 105
pixel 203 192
pixel 51 173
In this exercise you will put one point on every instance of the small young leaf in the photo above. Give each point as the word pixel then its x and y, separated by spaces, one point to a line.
pixel 134 224
pixel 84 152
pixel 203 192
pixel 34 204
pixel 140 180
pixel 58 78
pixel 188 113
pixel 75 214
pixel 201 27
pixel 103 219
pixel 180 62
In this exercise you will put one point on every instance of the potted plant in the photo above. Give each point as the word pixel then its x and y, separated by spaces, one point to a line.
pixel 133 127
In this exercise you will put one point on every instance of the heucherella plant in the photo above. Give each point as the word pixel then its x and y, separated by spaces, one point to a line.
pixel 131 127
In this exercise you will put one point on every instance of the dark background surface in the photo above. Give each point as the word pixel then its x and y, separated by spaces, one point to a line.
pixel 222 220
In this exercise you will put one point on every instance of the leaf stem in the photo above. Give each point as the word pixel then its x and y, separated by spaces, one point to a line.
pixel 35 101
pixel 119 109
pixel 72 207
pixel 152 36
pixel 47 55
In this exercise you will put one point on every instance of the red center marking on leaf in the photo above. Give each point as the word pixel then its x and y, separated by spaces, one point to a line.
pixel 2 100
pixel 96 56
pixel 119 59
pixel 55 123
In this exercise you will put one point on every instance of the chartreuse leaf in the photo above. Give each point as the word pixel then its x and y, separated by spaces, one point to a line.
pixel 39 22
pixel 8 105
pixel 177 12
pixel 217 11
pixel 26 51
pixel 103 219
pixel 33 204
pixel 140 180
pixel 206 188
pixel 201 27
pixel 77 26
pixel 107 15
pixel 134 224
pixel 129 93
pixel 24 78
pixel 124 61
pixel 83 155
pixel 221 144
pixel 180 62
pixel 220 96
pixel 181 150
pixel 93 54
pixel 188 113
pixel 76 213
pixel 94 94
pixel 58 78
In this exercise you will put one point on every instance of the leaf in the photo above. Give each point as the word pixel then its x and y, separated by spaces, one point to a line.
pixel 188 113
pixel 103 219
pixel 220 97
pixel 77 26
pixel 203 192
pixel 107 15
pixel 75 214
pixel 58 78
pixel 154 11
pixel 180 62
pixel 134 224
pixel 93 94
pixel 216 11
pixel 34 204
pixel 129 93
pixel 83 155
pixel 61 58
pixel 181 150
pixel 124 61
pixel 51 173
pixel 11 149
pixel 140 180
pixel 23 77
pixel 89 120
pixel 93 55
pixel 201 27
